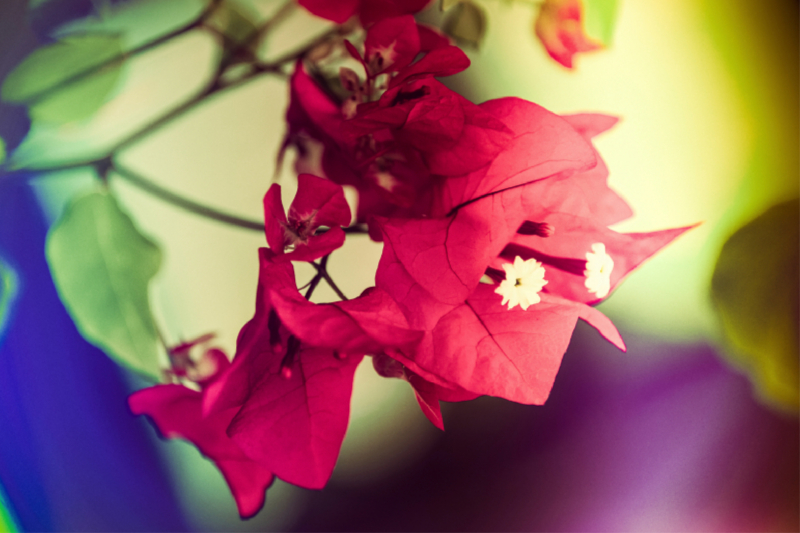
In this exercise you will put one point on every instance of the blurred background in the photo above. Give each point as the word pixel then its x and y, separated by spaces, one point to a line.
pixel 695 428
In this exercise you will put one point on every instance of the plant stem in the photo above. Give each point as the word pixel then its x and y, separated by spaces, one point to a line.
pixel 323 273
pixel 316 279
pixel 298 53
pixel 82 75
pixel 184 203
pixel 107 162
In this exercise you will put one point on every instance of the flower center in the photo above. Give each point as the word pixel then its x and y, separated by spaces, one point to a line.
pixel 599 266
pixel 524 280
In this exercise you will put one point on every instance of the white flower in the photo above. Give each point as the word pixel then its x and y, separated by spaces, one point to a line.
pixel 598 270
pixel 524 280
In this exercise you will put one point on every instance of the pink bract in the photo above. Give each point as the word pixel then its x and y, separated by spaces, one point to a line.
pixel 369 11
pixel 292 375
pixel 318 202
pixel 560 28
pixel 177 412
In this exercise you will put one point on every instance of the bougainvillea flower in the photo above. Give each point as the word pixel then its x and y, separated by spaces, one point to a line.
pixel 566 230
pixel 369 11
pixel 390 149
pixel 447 256
pixel 476 343
pixel 177 412
pixel 292 376
pixel 543 145
pixel 432 267
pixel 560 27
pixel 318 202
pixel 394 43
pixel 452 135
pixel 391 45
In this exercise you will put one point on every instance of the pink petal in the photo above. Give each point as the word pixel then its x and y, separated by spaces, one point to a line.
pixel 321 197
pixel 371 11
pixel 566 252
pixel 363 325
pixel 337 11
pixel 560 28
pixel 274 219
pixel 441 61
pixel 431 38
pixel 176 411
pixel 318 246
pixel 395 41
pixel 515 354
pixel 545 145
pixel 591 124
pixel 448 256
pixel 430 394
pixel 295 426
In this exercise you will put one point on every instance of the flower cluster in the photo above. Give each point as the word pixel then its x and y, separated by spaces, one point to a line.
pixel 494 220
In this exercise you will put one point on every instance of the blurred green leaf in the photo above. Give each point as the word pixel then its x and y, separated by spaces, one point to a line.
pixel 2 151
pixel 52 80
pixel 466 23
pixel 234 20
pixel 8 290
pixel 102 266
pixel 600 19
pixel 755 288
pixel 137 23
pixel 78 100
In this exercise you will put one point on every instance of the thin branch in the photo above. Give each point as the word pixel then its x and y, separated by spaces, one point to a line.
pixel 322 272
pixel 184 203
pixel 313 285
pixel 214 87
pixel 294 55
pixel 82 75
pixel 284 11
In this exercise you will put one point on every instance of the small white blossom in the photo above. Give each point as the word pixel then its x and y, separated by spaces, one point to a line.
pixel 524 280
pixel 598 270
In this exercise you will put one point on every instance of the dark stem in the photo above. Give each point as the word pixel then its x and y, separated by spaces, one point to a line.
pixel 179 201
pixel 322 272
pixel 302 51
pixel 106 162
pixel 316 279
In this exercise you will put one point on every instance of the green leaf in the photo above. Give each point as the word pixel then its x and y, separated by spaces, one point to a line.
pixel 600 19
pixel 755 289
pixel 65 81
pixel 2 151
pixel 8 292
pixel 102 266
pixel 235 21
pixel 466 23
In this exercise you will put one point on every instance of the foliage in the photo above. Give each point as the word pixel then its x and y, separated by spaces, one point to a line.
pixel 102 266
pixel 755 291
